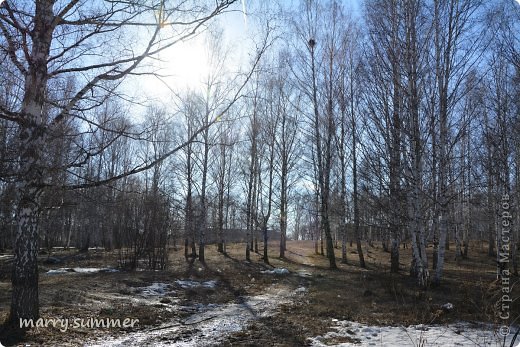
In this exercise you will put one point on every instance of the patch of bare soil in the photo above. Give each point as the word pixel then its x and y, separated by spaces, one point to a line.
pixel 199 304
pixel 155 298
pixel 376 296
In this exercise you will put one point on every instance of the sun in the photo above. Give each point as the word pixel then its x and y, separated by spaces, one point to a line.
pixel 185 65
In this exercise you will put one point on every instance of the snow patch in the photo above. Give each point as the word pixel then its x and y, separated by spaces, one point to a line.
pixel 94 270
pixel 208 324
pixel 80 270
pixel 304 274
pixel 194 284
pixel 59 271
pixel 155 289
pixel 447 306
pixel 349 333
pixel 277 271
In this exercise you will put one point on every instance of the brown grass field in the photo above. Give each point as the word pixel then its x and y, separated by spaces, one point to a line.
pixel 372 295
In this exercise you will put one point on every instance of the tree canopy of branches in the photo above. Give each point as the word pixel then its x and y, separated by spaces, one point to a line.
pixel 66 59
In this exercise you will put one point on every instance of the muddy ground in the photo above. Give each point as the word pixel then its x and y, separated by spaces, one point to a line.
pixel 231 302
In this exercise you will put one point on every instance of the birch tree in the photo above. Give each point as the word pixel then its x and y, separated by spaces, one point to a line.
pixel 253 134
pixel 285 104
pixel 456 50
pixel 313 57
pixel 266 173
pixel 385 107
pixel 223 177
pixel 413 46
pixel 214 103
pixel 45 41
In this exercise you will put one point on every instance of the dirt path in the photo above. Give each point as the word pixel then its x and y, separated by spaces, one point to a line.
pixel 232 302
pixel 211 323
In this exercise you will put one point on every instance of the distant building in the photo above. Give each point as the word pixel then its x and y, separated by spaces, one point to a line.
pixel 238 235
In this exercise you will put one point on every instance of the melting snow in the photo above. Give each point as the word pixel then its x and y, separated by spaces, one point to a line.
pixel 277 271
pixel 209 325
pixel 447 307
pixel 80 270
pixel 59 271
pixel 155 289
pixel 461 334
pixel 304 274
pixel 94 270
pixel 193 284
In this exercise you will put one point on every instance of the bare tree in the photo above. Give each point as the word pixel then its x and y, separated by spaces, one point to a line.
pixel 451 20
pixel 216 90
pixel 225 153
pixel 284 111
pixel 322 121
pixel 414 80
pixel 265 190
pixel 253 169
pixel 385 107
pixel 45 42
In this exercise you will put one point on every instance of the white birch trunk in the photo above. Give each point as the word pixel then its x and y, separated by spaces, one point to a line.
pixel 24 278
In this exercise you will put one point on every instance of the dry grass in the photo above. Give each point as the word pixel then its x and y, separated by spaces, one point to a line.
pixel 372 295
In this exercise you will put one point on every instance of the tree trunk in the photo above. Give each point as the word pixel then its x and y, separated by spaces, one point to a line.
pixel 344 259
pixel 355 178
pixel 356 202
pixel 395 154
pixel 490 210
pixel 394 255
pixel 282 246
pixel 25 304
pixel 202 258
pixel 193 249
pixel 323 161
pixel 251 189
pixel 266 256
pixel 322 249
pixel 283 209
pixel 458 243
pixel 24 279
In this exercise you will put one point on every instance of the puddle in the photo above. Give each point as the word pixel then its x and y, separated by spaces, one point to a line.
pixel 349 333
pixel 210 324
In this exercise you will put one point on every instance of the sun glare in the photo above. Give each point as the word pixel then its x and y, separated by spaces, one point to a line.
pixel 186 65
